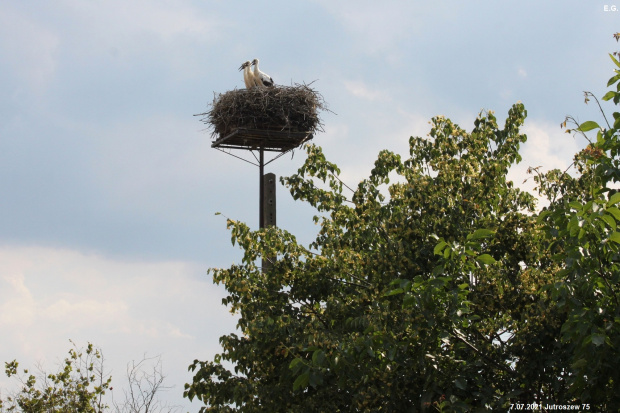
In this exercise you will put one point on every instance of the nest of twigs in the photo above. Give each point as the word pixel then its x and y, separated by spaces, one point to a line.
pixel 279 108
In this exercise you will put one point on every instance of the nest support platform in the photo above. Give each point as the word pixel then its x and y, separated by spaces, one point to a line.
pixel 268 140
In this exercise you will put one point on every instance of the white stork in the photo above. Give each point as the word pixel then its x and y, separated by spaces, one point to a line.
pixel 261 79
pixel 248 77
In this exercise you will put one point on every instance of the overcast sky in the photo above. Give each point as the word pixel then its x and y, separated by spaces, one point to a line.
pixel 109 186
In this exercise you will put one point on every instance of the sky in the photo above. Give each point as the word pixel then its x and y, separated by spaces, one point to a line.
pixel 108 183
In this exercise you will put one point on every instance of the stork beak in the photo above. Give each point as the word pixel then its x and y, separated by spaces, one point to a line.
pixel 242 67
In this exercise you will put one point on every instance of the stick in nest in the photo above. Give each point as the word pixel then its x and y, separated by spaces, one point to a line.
pixel 282 108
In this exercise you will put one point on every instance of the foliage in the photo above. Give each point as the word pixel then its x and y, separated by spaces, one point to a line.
pixel 582 230
pixel 78 387
pixel 436 286
pixel 385 315
pixel 81 384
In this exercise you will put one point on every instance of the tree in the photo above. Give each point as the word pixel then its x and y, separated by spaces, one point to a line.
pixel 370 317
pixel 582 231
pixel 442 290
pixel 143 388
pixel 78 387
pixel 82 383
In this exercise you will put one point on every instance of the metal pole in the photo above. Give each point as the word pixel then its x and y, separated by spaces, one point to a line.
pixel 269 213
pixel 269 200
pixel 261 189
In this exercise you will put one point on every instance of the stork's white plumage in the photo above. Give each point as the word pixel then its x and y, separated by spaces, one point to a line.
pixel 260 78
pixel 248 76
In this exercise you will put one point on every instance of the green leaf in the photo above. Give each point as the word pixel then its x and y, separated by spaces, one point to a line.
pixel 439 247
pixel 438 270
pixel 573 226
pixel 542 216
pixel 295 362
pixel 481 233
pixel 318 357
pixel 579 364
pixel 588 126
pixel 615 237
pixel 615 198
pixel 409 301
pixel 614 60
pixel 485 259
pixel 613 80
pixel 614 211
pixel 576 205
pixel 610 221
pixel 582 233
pixel 302 381
pixel 439 282
pixel 609 95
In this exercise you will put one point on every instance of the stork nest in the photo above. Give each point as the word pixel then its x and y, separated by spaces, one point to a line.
pixel 279 108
